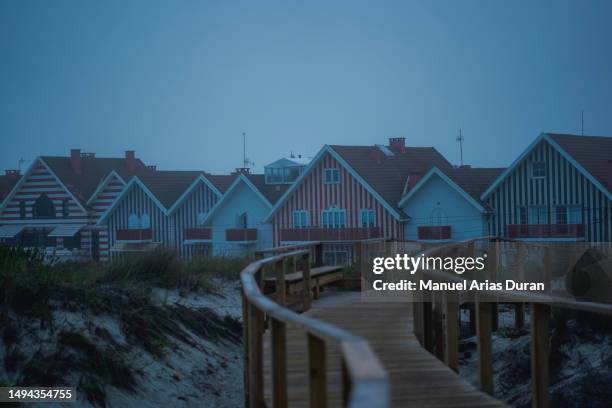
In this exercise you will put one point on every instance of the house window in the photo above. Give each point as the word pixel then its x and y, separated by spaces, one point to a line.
pixel 522 213
pixel 145 221
pixel 133 222
pixel 22 209
pixel 332 176
pixel 568 214
pixel 333 218
pixel 65 212
pixel 301 219
pixel 242 220
pixel 438 217
pixel 335 258
pixel 537 214
pixel 538 169
pixel 43 207
pixel 368 218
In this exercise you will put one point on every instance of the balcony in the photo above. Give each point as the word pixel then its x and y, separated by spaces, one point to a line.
pixel 434 233
pixel 553 231
pixel 241 234
pixel 135 235
pixel 330 234
pixel 198 234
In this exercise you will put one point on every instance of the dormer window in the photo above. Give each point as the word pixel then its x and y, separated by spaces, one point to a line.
pixel 332 176
pixel 538 169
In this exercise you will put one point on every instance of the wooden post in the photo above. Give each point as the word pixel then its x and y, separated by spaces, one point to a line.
pixel 452 334
pixel 306 289
pixel 246 344
pixel 256 392
pixel 318 254
pixel 346 385
pixel 357 259
pixel 483 339
pixel 519 316
pixel 540 316
pixel 472 317
pixel 281 290
pixel 279 364
pixel 318 372
pixel 428 329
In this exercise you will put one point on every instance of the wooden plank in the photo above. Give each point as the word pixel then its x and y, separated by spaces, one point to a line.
pixel 519 316
pixel 318 372
pixel 256 396
pixel 279 363
pixel 483 339
pixel 314 272
pixel 281 290
pixel 306 291
pixel 540 316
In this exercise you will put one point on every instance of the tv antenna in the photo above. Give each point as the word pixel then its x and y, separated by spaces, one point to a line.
pixel 460 140
pixel 21 162
pixel 246 162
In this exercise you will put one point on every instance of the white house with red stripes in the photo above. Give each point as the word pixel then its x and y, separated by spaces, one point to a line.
pixel 56 204
pixel 350 193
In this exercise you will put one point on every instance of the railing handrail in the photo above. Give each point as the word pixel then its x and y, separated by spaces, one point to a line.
pixel 367 383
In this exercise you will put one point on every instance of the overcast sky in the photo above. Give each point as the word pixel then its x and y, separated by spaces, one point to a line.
pixel 179 81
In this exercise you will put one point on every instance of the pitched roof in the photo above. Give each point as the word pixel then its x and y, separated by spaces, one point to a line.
pixel 272 192
pixel 221 181
pixel 168 186
pixel 593 153
pixel 387 174
pixel 93 171
pixel 474 180
pixel 7 182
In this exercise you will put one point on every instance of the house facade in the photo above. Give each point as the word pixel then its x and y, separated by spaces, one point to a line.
pixel 558 189
pixel 57 202
pixel 347 194
pixel 164 209
pixel 445 205
pixel 237 220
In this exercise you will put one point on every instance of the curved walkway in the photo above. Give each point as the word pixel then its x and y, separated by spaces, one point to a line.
pixel 418 379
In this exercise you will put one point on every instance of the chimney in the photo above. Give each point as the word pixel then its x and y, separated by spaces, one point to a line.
pixel 152 167
pixel 243 170
pixel 75 160
pixel 130 160
pixel 376 155
pixel 398 144
pixel 13 173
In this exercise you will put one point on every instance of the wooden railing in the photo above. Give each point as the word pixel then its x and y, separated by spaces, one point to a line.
pixel 546 231
pixel 446 344
pixel 434 232
pixel 136 235
pixel 241 234
pixel 330 234
pixel 365 382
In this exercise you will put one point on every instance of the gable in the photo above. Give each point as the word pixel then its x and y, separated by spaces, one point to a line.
pixel 106 194
pixel 325 158
pixel 200 199
pixel 38 180
pixel 240 199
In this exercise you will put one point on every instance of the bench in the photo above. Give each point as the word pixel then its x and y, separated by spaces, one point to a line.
pixel 319 277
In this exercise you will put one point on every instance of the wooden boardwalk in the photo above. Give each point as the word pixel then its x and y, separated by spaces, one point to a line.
pixel 418 379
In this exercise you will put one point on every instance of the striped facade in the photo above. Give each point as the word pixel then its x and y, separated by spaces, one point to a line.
pixel 314 196
pixel 101 202
pixel 40 180
pixel 563 184
pixel 167 229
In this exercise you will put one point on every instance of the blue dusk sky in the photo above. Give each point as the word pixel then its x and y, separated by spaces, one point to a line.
pixel 179 81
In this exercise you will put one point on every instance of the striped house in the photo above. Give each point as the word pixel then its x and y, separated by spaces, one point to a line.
pixel 164 209
pixel 350 193
pixel 57 202
pixel 558 189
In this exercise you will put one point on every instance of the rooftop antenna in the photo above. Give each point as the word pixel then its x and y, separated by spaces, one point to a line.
pixel 460 139
pixel 246 162
pixel 21 161
pixel 582 122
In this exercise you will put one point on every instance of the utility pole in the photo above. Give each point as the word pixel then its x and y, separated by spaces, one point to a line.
pixel 244 160
pixel 582 122
pixel 460 139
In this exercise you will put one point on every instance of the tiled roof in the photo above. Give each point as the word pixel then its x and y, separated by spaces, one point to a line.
pixel 221 181
pixel 93 171
pixel 387 175
pixel 474 180
pixel 168 186
pixel 594 153
pixel 271 191
pixel 7 182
